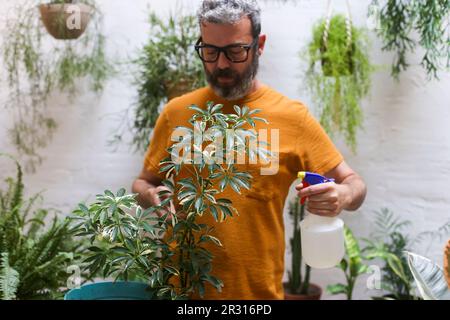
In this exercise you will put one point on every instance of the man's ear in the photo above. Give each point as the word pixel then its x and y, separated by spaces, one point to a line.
pixel 261 44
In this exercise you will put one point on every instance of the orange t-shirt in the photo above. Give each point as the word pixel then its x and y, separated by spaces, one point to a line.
pixel 251 261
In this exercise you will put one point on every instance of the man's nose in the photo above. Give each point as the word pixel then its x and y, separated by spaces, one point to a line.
pixel 222 61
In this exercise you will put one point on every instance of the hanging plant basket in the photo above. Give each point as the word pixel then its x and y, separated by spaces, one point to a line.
pixel 337 48
pixel 338 75
pixel 60 20
pixel 179 87
pixel 343 69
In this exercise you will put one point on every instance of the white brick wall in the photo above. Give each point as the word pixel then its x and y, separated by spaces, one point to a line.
pixel 403 152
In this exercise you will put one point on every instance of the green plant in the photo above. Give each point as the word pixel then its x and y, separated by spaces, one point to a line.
pixel 429 277
pixel 352 266
pixel 297 284
pixel 168 250
pixel 37 65
pixel 338 76
pixel 34 256
pixel 389 244
pixel 399 19
pixel 166 66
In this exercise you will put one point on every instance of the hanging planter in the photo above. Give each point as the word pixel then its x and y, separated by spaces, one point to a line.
pixel 180 87
pixel 337 49
pixel 32 74
pixel 338 75
pixel 65 21
pixel 166 67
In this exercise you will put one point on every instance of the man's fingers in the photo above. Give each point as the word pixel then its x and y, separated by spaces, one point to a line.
pixel 299 187
pixel 315 189
pixel 324 213
pixel 321 205
pixel 164 195
pixel 153 196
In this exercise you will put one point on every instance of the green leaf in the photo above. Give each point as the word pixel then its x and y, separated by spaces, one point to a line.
pixel 214 212
pixel 9 278
pixel 109 193
pixel 429 278
pixel 337 289
pixel 121 192
pixel 207 237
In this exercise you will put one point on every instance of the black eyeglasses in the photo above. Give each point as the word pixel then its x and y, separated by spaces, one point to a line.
pixel 236 53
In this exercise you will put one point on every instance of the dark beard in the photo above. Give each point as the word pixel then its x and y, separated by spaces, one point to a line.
pixel 241 84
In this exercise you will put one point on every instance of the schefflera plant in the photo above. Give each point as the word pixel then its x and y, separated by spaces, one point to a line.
pixel 164 247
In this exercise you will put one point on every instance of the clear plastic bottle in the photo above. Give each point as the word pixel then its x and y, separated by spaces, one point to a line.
pixel 322 241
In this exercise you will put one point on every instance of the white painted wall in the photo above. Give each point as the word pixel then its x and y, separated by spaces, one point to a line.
pixel 403 152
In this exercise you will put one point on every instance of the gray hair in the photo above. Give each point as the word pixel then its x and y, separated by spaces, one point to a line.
pixel 231 11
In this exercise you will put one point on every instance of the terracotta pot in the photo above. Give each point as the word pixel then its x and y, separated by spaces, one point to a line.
pixel 314 293
pixel 179 88
pixel 54 16
pixel 447 263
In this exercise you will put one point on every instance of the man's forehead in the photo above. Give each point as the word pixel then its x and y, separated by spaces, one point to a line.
pixel 223 32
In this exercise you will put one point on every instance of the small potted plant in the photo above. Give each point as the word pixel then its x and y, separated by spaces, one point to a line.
pixel 338 75
pixel 161 247
pixel 298 287
pixel 66 19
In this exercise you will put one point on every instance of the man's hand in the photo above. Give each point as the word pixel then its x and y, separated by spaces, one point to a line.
pixel 151 194
pixel 326 199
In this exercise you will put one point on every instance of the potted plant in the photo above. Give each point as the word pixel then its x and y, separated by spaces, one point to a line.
pixel 162 248
pixel 352 266
pixel 298 287
pixel 33 74
pixel 389 243
pixel 66 19
pixel 35 257
pixel 338 75
pixel 167 66
pixel 400 20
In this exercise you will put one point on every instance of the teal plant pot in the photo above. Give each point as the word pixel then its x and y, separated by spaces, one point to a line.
pixel 120 290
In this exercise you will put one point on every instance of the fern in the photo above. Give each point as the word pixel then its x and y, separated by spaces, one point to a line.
pixel 386 223
pixel 39 253
pixel 9 279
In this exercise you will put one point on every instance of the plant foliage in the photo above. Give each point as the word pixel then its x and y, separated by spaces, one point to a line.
pixel 338 76
pixel 167 250
pixel 36 65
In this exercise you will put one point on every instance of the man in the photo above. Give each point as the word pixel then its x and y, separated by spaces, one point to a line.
pixel 251 261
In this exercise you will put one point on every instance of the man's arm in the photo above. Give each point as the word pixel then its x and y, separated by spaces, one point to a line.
pixel 345 176
pixel 329 199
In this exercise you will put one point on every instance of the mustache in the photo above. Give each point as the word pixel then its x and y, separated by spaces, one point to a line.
pixel 224 73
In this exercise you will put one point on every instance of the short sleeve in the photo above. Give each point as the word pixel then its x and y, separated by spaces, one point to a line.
pixel 159 143
pixel 317 152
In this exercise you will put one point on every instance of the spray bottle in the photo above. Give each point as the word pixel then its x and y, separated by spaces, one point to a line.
pixel 322 238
